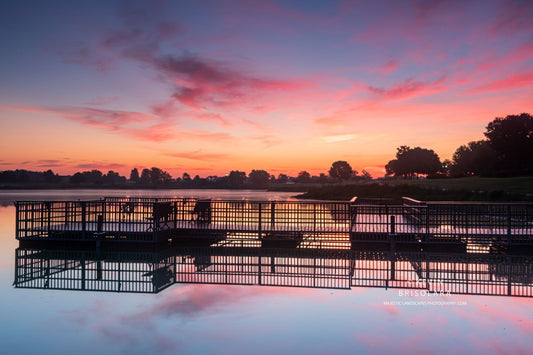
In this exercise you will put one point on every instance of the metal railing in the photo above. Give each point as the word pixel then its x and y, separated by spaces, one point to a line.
pixel 310 223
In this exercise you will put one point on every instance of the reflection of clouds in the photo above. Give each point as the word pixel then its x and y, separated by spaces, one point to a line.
pixel 484 325
pixel 156 326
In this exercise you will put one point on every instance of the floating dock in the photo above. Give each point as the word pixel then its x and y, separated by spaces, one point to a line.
pixel 358 224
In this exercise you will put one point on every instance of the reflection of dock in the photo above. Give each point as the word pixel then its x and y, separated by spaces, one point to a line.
pixel 405 225
pixel 151 272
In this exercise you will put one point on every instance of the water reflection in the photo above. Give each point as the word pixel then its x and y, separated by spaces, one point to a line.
pixel 153 271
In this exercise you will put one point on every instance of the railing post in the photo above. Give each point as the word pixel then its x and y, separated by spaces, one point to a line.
pixel 427 223
pixel 100 224
pixel 272 214
pixel 17 211
pixel 259 220
pixel 392 225
pixel 83 219
pixel 49 216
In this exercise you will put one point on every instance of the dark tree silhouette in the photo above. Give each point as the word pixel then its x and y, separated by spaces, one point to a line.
pixel 475 158
pixel 89 177
pixel 236 179
pixel 410 162
pixel 512 138
pixel 303 177
pixel 259 178
pixel 282 178
pixel 134 175
pixel 341 170
pixel 146 177
pixel 366 175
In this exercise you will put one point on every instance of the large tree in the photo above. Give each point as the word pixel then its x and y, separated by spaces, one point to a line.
pixel 414 161
pixel 236 179
pixel 134 175
pixel 512 138
pixel 341 170
pixel 475 158
pixel 259 178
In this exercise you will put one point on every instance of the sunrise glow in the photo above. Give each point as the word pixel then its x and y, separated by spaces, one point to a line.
pixel 206 87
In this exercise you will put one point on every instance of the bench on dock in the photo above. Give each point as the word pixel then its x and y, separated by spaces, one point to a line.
pixel 202 211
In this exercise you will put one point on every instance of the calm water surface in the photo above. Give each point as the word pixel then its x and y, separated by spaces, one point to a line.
pixel 219 319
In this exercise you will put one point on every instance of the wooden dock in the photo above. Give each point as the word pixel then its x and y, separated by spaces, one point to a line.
pixel 409 224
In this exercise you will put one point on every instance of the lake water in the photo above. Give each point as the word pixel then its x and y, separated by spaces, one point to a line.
pixel 229 319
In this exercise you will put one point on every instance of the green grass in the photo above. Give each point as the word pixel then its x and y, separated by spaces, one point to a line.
pixel 461 189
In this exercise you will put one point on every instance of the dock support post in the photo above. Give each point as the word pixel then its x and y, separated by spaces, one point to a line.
pixel 84 219
pixel 259 220
pixel 272 214
pixel 427 223
pixel 17 218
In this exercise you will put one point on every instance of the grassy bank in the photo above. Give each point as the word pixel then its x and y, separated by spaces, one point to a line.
pixel 462 189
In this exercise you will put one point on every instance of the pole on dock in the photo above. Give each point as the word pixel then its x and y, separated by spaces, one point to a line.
pixel 84 219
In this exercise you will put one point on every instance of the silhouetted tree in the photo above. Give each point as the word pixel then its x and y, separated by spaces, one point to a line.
pixel 146 177
pixel 303 177
pixel 282 178
pixel 134 175
pixel 50 177
pixel 236 179
pixel 113 178
pixel 512 138
pixel 366 175
pixel 475 158
pixel 158 176
pixel 259 178
pixel 414 161
pixel 186 177
pixel 341 170
pixel 90 177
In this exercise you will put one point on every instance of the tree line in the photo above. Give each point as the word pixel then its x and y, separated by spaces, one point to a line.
pixel 156 177
pixel 506 151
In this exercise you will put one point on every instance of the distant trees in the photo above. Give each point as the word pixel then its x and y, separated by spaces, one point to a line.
pixel 236 179
pixel 512 139
pixel 28 177
pixel 413 161
pixel 134 175
pixel 303 177
pixel 94 177
pixel 282 178
pixel 508 149
pixel 341 170
pixel 259 178
pixel 475 158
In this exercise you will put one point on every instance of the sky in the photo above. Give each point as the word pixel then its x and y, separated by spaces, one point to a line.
pixel 206 87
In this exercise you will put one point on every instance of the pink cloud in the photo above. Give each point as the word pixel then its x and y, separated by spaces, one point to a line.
pixel 410 88
pixel 386 68
pixel 519 81
pixel 198 155
pixel 130 124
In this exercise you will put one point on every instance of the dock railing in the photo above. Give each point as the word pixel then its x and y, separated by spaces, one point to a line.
pixel 156 219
